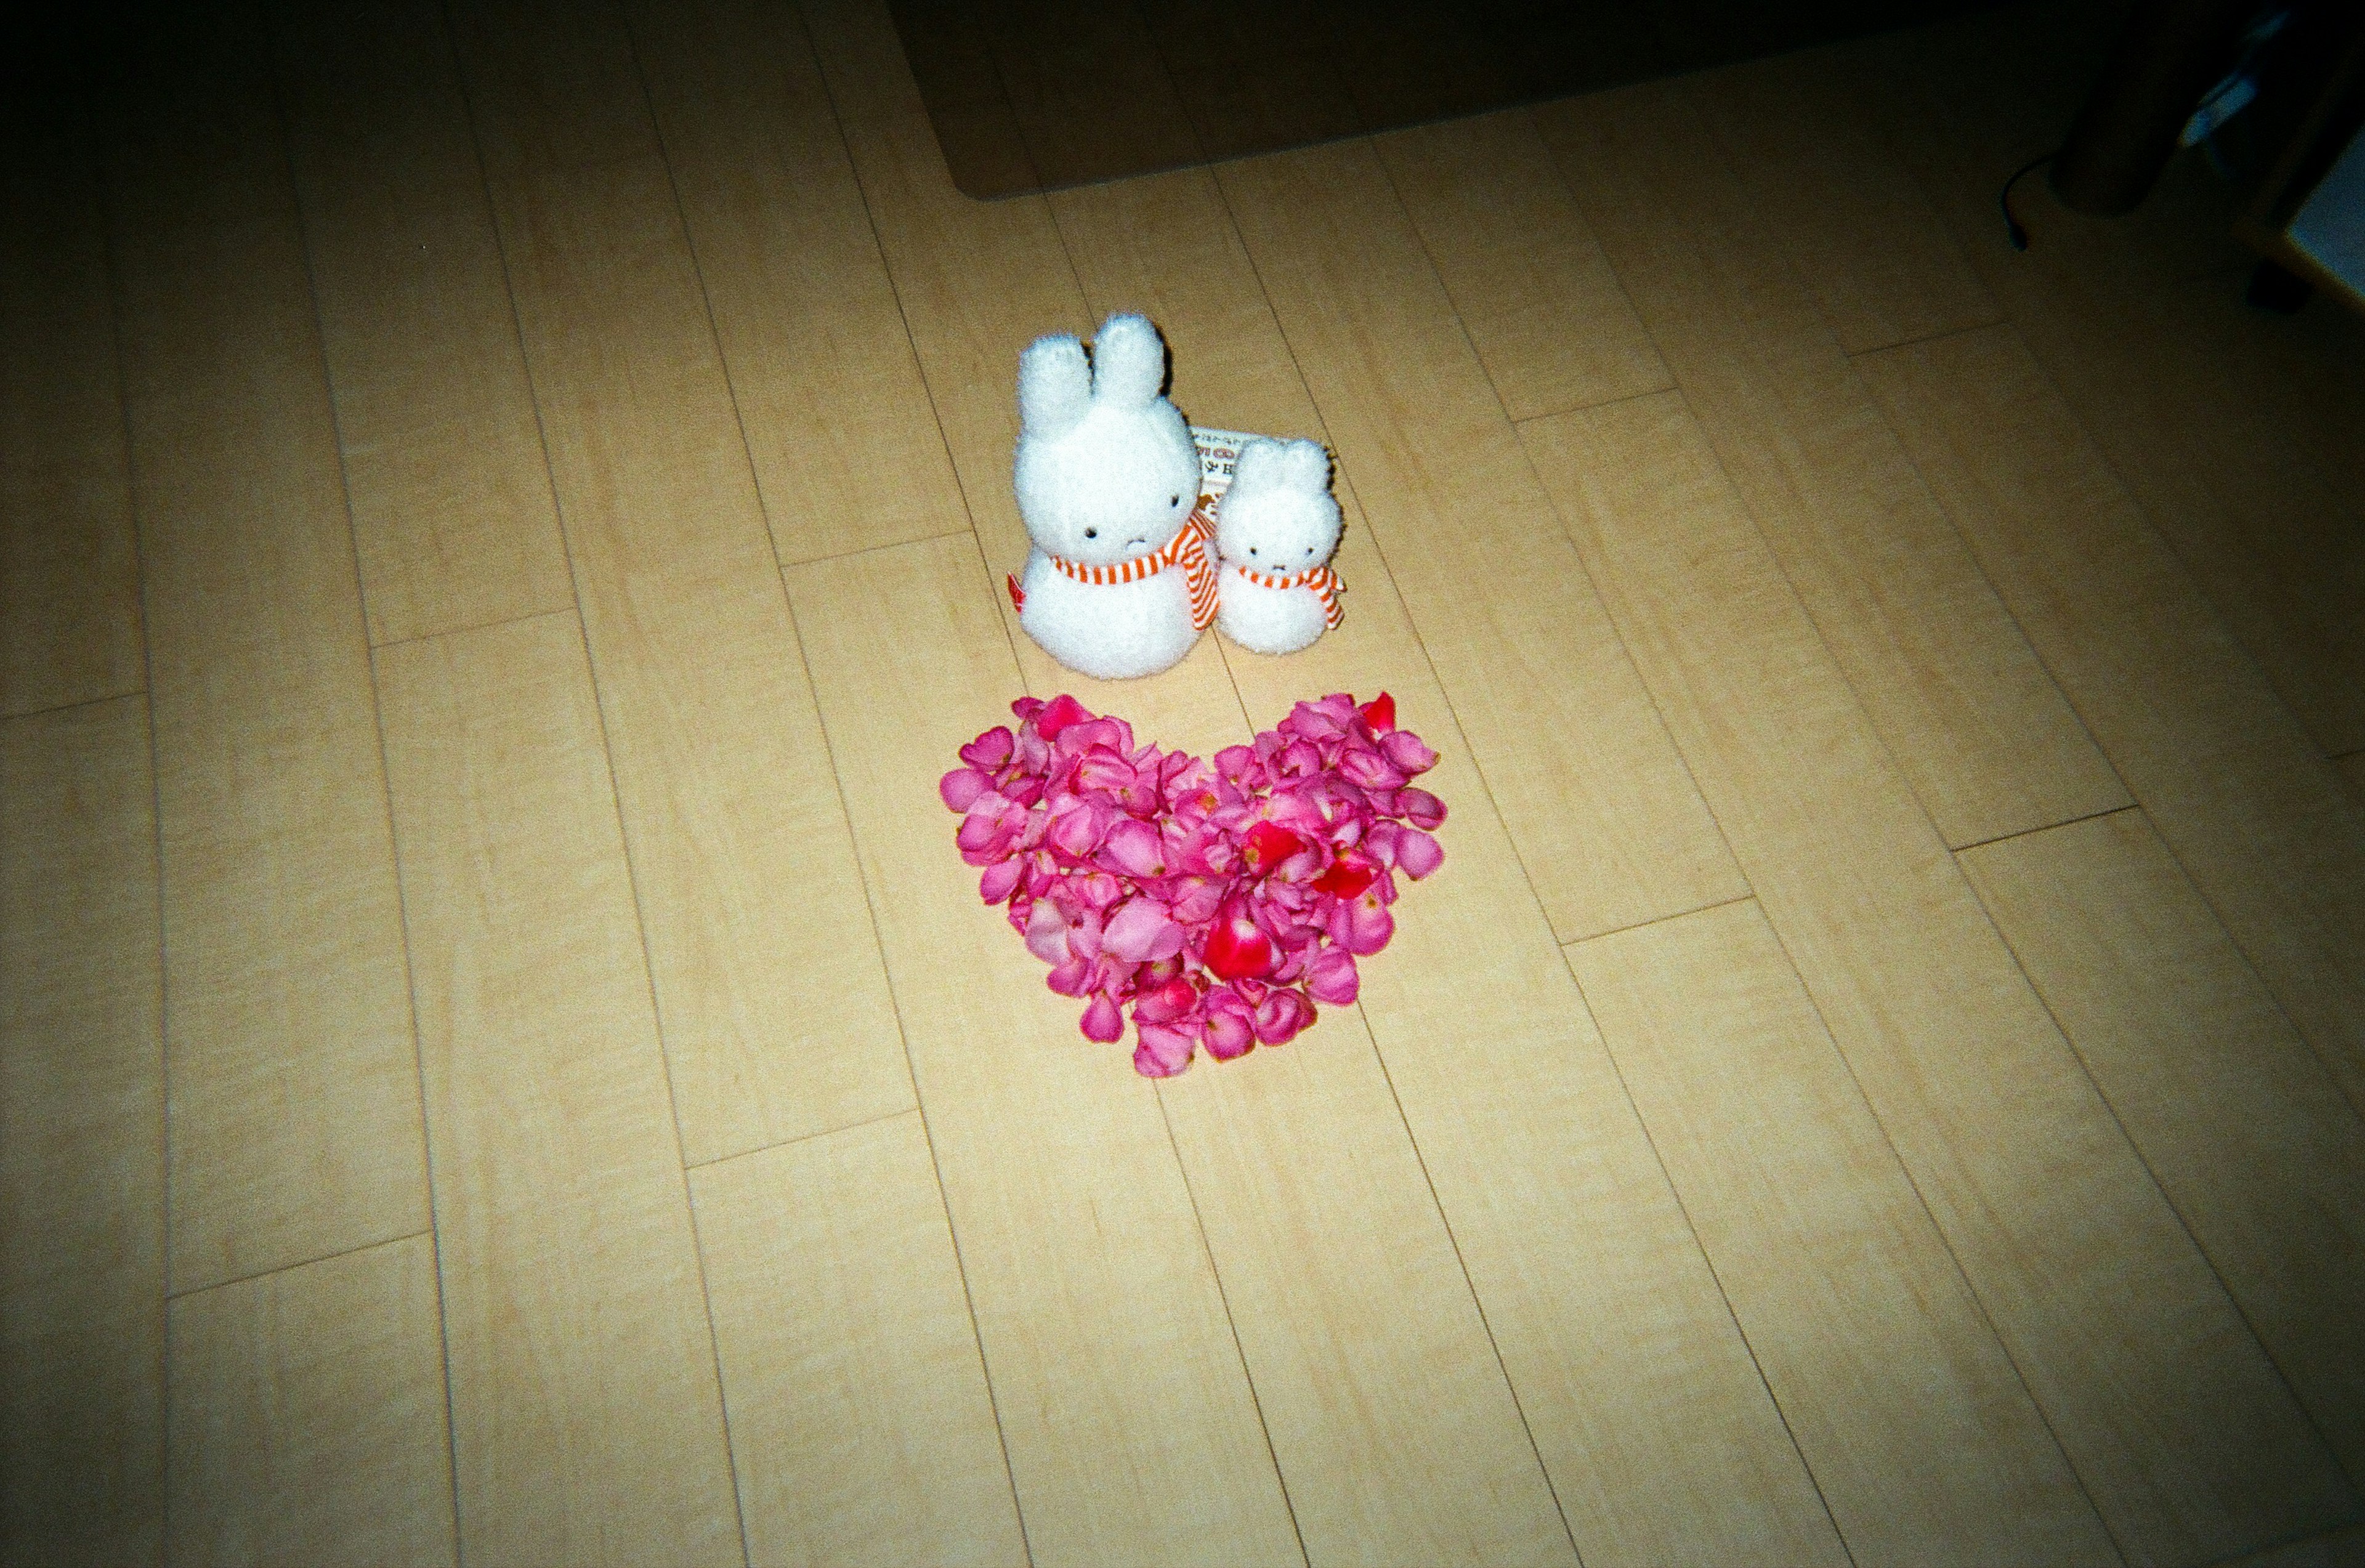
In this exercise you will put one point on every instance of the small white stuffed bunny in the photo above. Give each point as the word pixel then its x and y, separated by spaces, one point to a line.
pixel 1121 581
pixel 1275 530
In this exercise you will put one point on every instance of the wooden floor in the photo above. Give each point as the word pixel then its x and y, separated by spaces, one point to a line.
pixel 501 510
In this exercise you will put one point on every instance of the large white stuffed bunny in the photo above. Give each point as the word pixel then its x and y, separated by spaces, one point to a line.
pixel 1275 530
pixel 1120 582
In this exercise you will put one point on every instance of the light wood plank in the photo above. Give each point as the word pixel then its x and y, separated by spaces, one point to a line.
pixel 2246 1131
pixel 1393 1426
pixel 2341 1549
pixel 82 1141
pixel 1548 318
pixel 453 513
pixel 822 368
pixel 1862 237
pixel 1652 1420
pixel 860 1423
pixel 1132 1431
pixel 976 283
pixel 2189 1443
pixel 1964 706
pixel 295 1115
pixel 1921 1435
pixel 587 1420
pixel 69 567
pixel 774 1002
pixel 2138 322
pixel 308 1415
pixel 2224 771
pixel 1610 829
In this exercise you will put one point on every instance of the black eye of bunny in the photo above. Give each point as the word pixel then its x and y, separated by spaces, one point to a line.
pixel 1174 501
pixel 1091 533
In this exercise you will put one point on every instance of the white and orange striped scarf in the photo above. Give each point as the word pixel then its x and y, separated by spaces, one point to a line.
pixel 1191 549
pixel 1321 579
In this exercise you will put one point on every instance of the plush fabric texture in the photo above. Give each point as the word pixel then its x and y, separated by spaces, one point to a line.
pixel 1106 475
pixel 1275 531
pixel 1220 899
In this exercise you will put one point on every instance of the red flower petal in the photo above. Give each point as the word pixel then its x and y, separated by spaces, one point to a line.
pixel 1380 712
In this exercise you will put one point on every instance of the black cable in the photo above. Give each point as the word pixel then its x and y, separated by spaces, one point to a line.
pixel 2011 226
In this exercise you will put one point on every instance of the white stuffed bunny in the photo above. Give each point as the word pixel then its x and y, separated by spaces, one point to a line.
pixel 1275 530
pixel 1120 582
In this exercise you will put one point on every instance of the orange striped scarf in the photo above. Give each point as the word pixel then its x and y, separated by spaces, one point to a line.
pixel 1321 579
pixel 1189 549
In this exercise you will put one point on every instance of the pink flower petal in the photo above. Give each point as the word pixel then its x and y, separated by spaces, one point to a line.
pixel 1142 930
pixel 961 786
pixel 1047 932
pixel 1058 715
pixel 1133 846
pixel 1000 880
pixel 1102 1022
pixel 1176 998
pixel 1421 808
pixel 1280 1017
pixel 1332 978
pixel 1408 751
pixel 1419 853
pixel 1164 1050
pixel 990 750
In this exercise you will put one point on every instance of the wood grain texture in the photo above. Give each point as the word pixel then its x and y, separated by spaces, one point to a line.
pixel 2219 765
pixel 1131 1427
pixel 1921 1435
pixel 976 283
pixel 1640 1395
pixel 774 1004
pixel 2188 1442
pixel 1608 826
pixel 1548 319
pixel 1959 700
pixel 69 565
pixel 452 507
pixel 845 446
pixel 587 1422
pixel 2246 1131
pixel 2341 1549
pixel 82 1141
pixel 295 1113
pixel 308 1415
pixel 861 1426
pixel 2141 327
pixel 1862 237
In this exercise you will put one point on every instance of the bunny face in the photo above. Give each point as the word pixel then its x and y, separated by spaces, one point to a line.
pixel 1278 518
pixel 1107 470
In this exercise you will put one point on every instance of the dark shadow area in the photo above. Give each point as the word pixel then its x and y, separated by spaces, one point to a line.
pixel 1030 95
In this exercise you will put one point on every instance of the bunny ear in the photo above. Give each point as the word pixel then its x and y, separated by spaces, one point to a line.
pixel 1055 387
pixel 1128 363
pixel 1305 466
pixel 1258 464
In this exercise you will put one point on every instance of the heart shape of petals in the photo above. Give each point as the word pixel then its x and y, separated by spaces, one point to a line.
pixel 1220 900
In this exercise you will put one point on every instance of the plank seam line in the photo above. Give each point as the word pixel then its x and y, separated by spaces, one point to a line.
pixel 2330 1453
pixel 109 216
pixel 1732 1314
pixel 871 895
pixel 1428 660
pixel 801 1138
pixel 2173 565
pixel 262 25
pixel 273 1272
pixel 1657 920
pixel 870 900
pixel 69 707
pixel 2132 805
